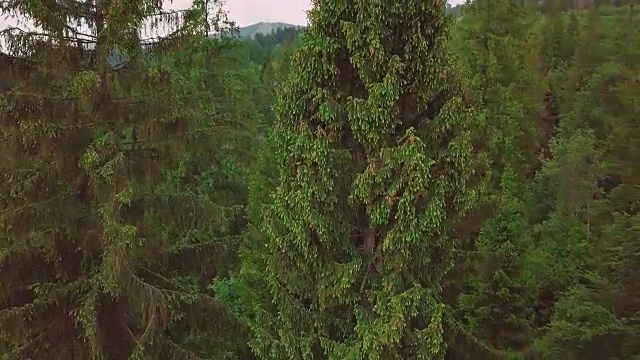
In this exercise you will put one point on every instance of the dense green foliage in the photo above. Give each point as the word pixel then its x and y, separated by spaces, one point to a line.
pixel 122 187
pixel 556 256
pixel 398 180
pixel 377 173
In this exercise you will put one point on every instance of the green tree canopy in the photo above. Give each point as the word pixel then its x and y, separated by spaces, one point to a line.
pixel 374 153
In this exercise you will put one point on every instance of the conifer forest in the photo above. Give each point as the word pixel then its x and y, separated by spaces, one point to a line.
pixel 397 180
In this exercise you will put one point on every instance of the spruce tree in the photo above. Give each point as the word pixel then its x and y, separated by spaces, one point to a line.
pixel 496 305
pixel 113 185
pixel 501 45
pixel 374 154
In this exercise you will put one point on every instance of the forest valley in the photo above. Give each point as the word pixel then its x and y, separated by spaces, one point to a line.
pixel 395 181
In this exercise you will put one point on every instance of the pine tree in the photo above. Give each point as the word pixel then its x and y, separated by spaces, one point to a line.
pixel 501 45
pixel 497 304
pixel 374 149
pixel 276 72
pixel 585 58
pixel 500 42
pixel 114 169
pixel 561 40
pixel 563 240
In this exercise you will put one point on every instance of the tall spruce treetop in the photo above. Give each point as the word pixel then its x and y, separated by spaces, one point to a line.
pixel 375 141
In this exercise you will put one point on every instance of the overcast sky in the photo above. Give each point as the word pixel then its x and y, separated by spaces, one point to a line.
pixel 247 12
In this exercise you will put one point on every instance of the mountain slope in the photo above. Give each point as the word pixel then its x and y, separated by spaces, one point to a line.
pixel 263 28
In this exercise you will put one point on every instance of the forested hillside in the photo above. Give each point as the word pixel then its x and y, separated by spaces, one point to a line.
pixel 389 182
pixel 264 28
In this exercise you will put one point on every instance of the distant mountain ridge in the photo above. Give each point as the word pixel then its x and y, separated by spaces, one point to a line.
pixel 264 28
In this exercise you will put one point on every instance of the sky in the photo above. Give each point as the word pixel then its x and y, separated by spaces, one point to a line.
pixel 247 12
